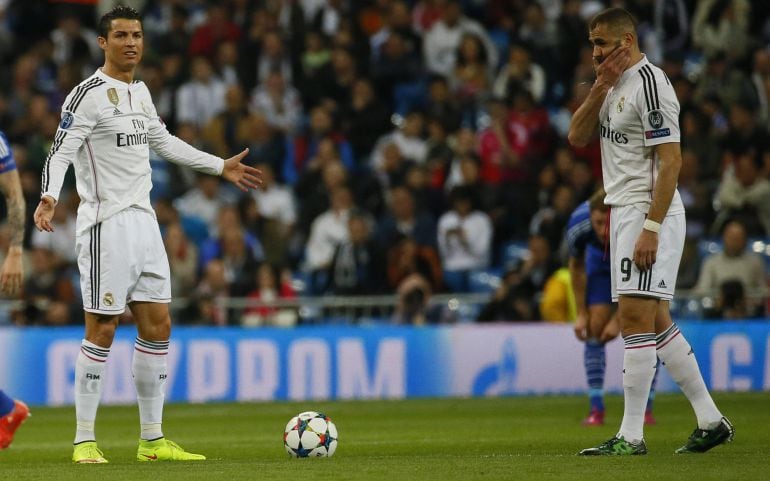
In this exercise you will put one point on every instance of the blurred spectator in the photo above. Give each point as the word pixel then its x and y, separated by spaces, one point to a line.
pixel 182 260
pixel 405 219
pixel 731 302
pixel 472 75
pixel 760 78
pixel 744 193
pixel 442 105
pixel 228 223
pixel 721 26
pixel 202 97
pixel 696 196
pixel 226 63
pixel 551 220
pixel 278 102
pixel 237 255
pixel 324 174
pixel 395 68
pixel 722 82
pixel 538 267
pixel 74 43
pixel 407 138
pixel 357 264
pixel 734 263
pixel 512 301
pixel 277 214
pixel 326 233
pixel 305 148
pixel 364 120
pixel 406 257
pixel 558 301
pixel 228 131
pixel 204 201
pixel 520 72
pixel 173 37
pixel 49 281
pixel 270 288
pixel 413 306
pixel 267 146
pixel 216 29
pixel 464 240
pixel 206 305
pixel 330 15
pixel 443 38
pixel 273 58
pixel 397 21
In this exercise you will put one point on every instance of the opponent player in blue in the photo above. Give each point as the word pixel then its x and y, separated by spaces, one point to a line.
pixel 12 413
pixel 596 323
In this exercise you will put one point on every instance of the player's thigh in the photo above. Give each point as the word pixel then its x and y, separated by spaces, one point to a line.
pixel 636 314
pixel 104 265
pixel 153 321
pixel 153 283
pixel 663 318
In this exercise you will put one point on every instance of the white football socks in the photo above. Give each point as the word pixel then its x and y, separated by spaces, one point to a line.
pixel 677 355
pixel 89 374
pixel 149 368
pixel 638 370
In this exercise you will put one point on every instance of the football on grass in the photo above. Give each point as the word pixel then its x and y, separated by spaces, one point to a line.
pixel 310 435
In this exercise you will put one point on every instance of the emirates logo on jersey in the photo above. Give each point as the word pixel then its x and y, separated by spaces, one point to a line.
pixel 614 136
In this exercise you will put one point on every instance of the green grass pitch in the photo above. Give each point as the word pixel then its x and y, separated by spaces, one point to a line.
pixel 521 438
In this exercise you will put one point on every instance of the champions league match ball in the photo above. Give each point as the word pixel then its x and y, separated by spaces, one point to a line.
pixel 310 435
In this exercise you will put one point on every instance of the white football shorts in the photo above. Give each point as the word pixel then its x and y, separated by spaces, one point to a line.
pixel 625 225
pixel 121 260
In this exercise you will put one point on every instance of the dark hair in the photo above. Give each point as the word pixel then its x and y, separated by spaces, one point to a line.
pixel 614 17
pixel 121 11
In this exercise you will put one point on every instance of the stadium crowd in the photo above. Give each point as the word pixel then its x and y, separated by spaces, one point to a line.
pixel 406 146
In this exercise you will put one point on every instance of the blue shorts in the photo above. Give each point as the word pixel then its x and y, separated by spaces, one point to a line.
pixel 599 277
pixel 598 289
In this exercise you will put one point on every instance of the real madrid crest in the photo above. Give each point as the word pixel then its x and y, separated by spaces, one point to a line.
pixel 621 104
pixel 112 94
pixel 108 299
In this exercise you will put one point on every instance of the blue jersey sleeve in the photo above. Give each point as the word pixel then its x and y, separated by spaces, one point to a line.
pixel 579 230
pixel 7 162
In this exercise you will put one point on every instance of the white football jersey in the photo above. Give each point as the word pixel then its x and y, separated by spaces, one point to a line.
pixel 107 129
pixel 639 112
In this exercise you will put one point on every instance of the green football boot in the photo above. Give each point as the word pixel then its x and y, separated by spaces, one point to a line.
pixel 616 446
pixel 164 450
pixel 88 453
pixel 701 440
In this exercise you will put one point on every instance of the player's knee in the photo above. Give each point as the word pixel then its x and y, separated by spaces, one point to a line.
pixel 101 330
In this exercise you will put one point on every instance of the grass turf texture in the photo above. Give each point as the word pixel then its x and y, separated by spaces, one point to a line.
pixel 528 438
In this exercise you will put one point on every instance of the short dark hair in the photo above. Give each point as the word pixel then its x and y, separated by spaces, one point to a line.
pixel 121 11
pixel 614 18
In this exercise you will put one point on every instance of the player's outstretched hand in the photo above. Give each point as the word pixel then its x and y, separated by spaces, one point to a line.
pixel 243 176
pixel 44 214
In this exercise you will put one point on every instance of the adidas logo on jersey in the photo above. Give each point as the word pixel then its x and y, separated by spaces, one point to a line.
pixel 117 112
pixel 662 284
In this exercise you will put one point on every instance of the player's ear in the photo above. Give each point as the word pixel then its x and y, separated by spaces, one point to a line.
pixel 102 42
